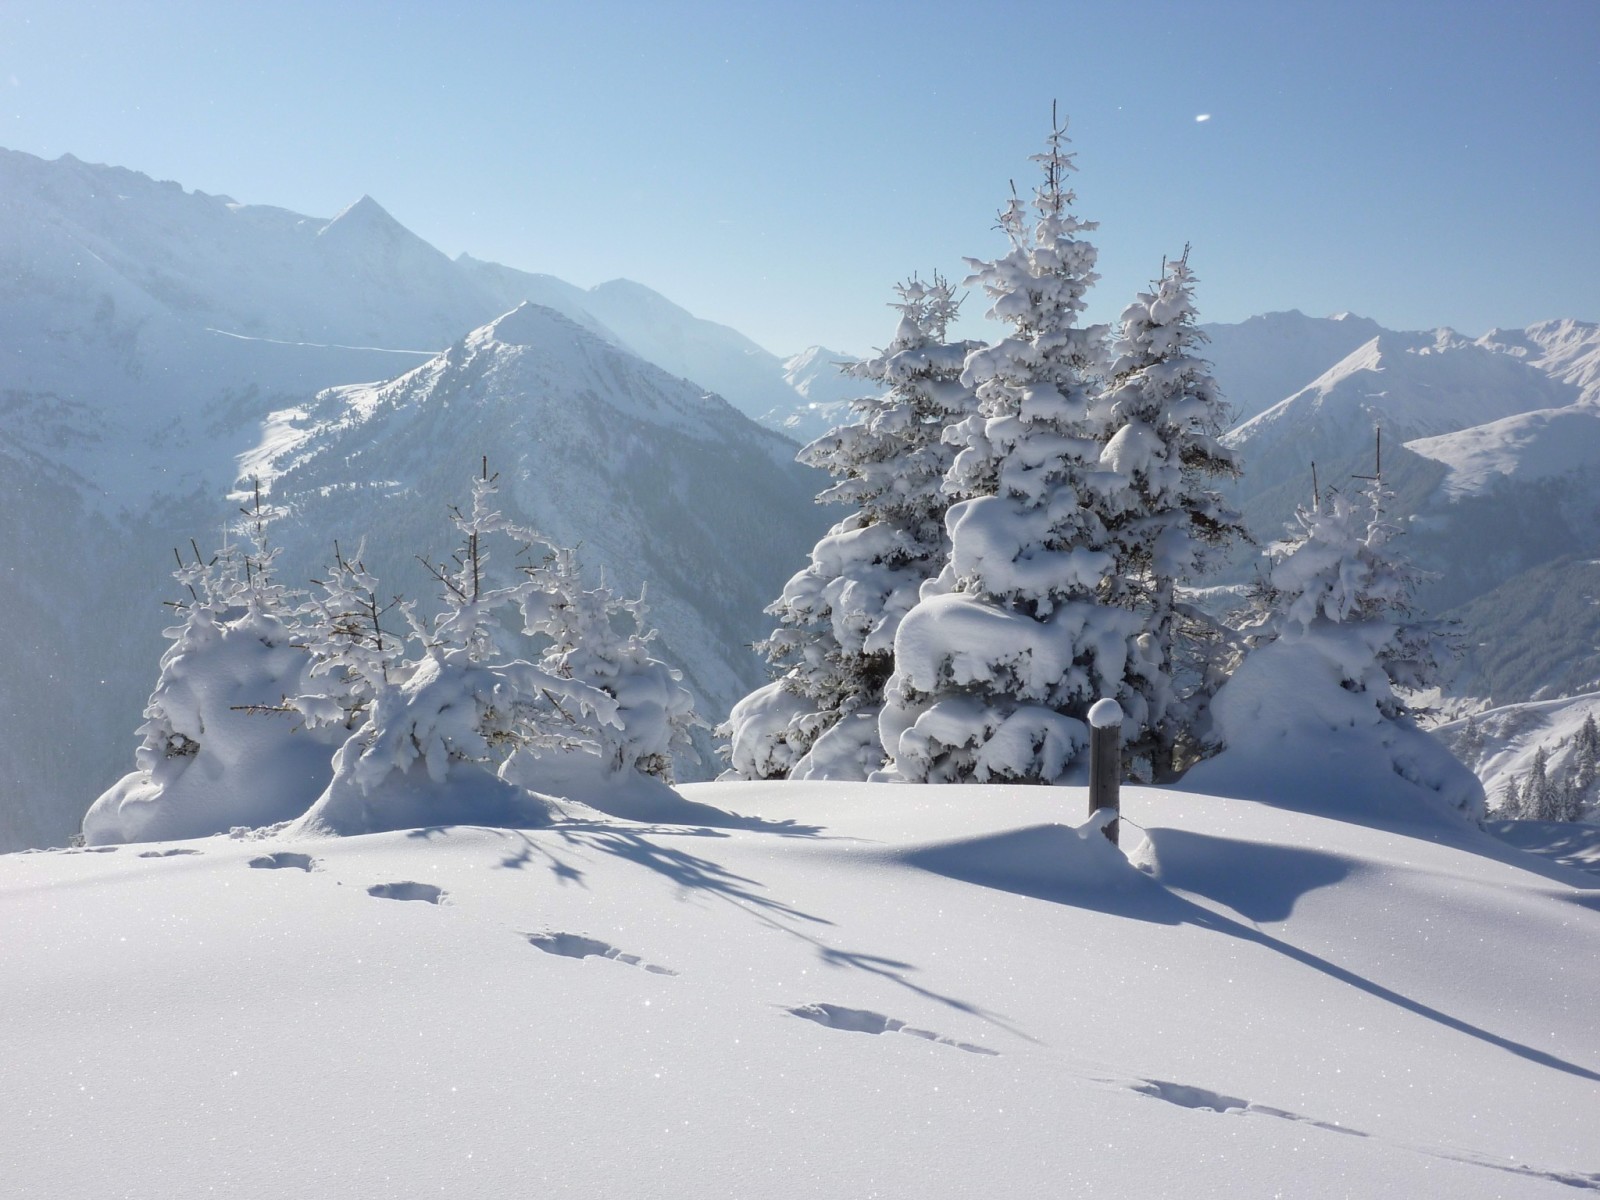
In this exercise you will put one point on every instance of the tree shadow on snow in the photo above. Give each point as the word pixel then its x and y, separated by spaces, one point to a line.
pixel 1259 882
pixel 646 847
pixel 1115 887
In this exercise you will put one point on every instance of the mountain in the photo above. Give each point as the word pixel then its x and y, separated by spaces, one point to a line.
pixel 659 331
pixel 817 375
pixel 155 346
pixel 1260 361
pixel 658 482
pixel 1500 743
pixel 1411 386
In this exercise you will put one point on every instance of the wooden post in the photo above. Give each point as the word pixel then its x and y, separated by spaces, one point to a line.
pixel 1105 762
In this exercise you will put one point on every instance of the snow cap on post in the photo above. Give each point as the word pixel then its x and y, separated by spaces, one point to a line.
pixel 1105 714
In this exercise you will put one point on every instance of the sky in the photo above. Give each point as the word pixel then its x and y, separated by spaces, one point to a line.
pixel 778 166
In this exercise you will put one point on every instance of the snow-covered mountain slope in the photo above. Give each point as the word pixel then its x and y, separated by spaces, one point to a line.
pixel 659 331
pixel 1537 635
pixel 855 990
pixel 1412 385
pixel 817 376
pixel 147 334
pixel 1550 443
pixel 1567 349
pixel 657 481
pixel 1503 741
pixel 1267 358
pixel 1489 446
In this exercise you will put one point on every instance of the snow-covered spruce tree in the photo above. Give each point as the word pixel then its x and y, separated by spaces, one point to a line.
pixel 1510 806
pixel 1340 569
pixel 222 743
pixel 1167 524
pixel 838 616
pixel 1316 714
pixel 442 722
pixel 1540 796
pixel 1003 655
pixel 601 641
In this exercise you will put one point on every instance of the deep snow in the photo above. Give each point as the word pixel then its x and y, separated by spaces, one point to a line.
pixel 851 990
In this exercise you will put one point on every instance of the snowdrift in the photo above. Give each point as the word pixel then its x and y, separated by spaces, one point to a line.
pixel 861 990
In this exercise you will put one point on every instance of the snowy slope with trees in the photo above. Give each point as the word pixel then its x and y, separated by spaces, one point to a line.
pixel 155 348
pixel 660 484
pixel 400 895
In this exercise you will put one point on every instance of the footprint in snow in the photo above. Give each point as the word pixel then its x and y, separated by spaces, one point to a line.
pixel 862 1020
pixel 406 890
pixel 173 853
pixel 1205 1100
pixel 572 945
pixel 280 860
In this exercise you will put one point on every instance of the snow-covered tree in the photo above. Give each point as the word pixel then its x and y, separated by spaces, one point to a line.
pixel 1338 647
pixel 1469 743
pixel 353 655
pixel 1000 659
pixel 1340 568
pixel 838 616
pixel 1585 767
pixel 222 743
pixel 601 641
pixel 470 697
pixel 1167 524
pixel 1510 807
pixel 1540 796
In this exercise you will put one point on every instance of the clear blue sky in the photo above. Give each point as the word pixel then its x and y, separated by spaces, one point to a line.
pixel 778 166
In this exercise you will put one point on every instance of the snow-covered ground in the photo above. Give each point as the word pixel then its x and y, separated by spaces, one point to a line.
pixel 851 990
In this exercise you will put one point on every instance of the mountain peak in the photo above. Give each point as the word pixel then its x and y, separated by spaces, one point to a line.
pixel 366 215
pixel 527 324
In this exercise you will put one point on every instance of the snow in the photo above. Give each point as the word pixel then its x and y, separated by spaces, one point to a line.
pixel 1512 735
pixel 1103 714
pixel 1416 385
pixel 850 990
pixel 1546 444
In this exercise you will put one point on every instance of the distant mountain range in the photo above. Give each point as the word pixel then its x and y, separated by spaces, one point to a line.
pixel 159 347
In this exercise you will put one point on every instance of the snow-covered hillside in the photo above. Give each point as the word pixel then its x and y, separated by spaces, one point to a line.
pixel 147 337
pixel 847 990
pixel 658 482
pixel 1267 358
pixel 1412 386
pixel 818 375
pixel 1492 447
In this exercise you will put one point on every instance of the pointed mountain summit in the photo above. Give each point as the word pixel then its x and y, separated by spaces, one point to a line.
pixel 366 218
pixel 646 323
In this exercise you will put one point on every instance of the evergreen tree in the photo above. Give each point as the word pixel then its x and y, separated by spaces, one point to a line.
pixel 1001 658
pixel 1469 744
pixel 468 699
pixel 1540 798
pixel 1340 570
pixel 352 655
pixel 1164 416
pixel 222 743
pixel 838 616
pixel 603 642
pixel 1586 765
pixel 1510 801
